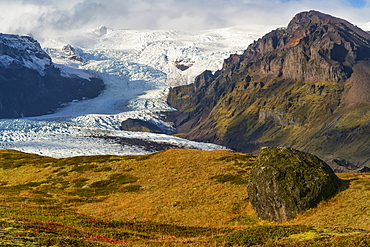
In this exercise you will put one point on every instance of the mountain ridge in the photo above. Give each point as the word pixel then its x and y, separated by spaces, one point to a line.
pixel 30 84
pixel 300 86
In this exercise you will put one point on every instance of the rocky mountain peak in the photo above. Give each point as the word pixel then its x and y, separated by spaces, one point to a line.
pixel 313 21
pixel 311 17
pixel 314 47
pixel 23 51
pixel 302 86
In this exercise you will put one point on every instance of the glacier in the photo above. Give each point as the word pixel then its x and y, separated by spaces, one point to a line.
pixel 138 67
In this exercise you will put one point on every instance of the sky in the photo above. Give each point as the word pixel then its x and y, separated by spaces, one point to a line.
pixel 43 18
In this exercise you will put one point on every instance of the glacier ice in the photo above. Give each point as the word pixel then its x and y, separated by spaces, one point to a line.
pixel 138 67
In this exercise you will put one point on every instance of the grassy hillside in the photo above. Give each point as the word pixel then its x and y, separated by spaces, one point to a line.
pixel 170 198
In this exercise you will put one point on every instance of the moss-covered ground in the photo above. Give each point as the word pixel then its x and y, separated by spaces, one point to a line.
pixel 170 198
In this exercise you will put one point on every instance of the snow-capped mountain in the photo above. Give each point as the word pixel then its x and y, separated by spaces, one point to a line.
pixel 30 84
pixel 23 51
pixel 137 67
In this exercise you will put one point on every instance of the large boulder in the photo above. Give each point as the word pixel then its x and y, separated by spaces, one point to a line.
pixel 285 182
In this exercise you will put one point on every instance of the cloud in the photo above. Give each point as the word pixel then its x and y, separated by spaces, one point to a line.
pixel 52 17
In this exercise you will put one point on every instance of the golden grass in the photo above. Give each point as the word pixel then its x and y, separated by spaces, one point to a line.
pixel 349 208
pixel 177 187
pixel 202 191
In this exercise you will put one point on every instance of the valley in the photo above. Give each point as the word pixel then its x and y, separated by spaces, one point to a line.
pixel 137 68
pixel 196 139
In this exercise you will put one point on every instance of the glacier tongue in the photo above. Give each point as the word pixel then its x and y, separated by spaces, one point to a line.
pixel 138 67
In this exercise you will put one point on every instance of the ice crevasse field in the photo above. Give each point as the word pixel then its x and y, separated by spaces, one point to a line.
pixel 138 68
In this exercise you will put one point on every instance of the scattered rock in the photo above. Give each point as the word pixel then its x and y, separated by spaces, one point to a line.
pixel 285 182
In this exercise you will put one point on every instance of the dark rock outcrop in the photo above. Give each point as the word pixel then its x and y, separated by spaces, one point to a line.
pixel 31 85
pixel 138 125
pixel 303 86
pixel 285 182
pixel 183 63
pixel 70 51
pixel 365 169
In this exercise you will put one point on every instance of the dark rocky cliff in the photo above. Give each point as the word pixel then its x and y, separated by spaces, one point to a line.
pixel 305 86
pixel 31 85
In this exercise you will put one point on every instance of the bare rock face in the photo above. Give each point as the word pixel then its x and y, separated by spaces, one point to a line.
pixel 314 47
pixel 285 182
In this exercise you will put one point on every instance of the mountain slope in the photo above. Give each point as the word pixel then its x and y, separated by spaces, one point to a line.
pixel 304 86
pixel 30 84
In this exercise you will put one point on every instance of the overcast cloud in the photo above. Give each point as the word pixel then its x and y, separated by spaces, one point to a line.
pixel 50 17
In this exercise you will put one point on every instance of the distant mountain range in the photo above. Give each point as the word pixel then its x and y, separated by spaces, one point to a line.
pixel 306 86
pixel 31 85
